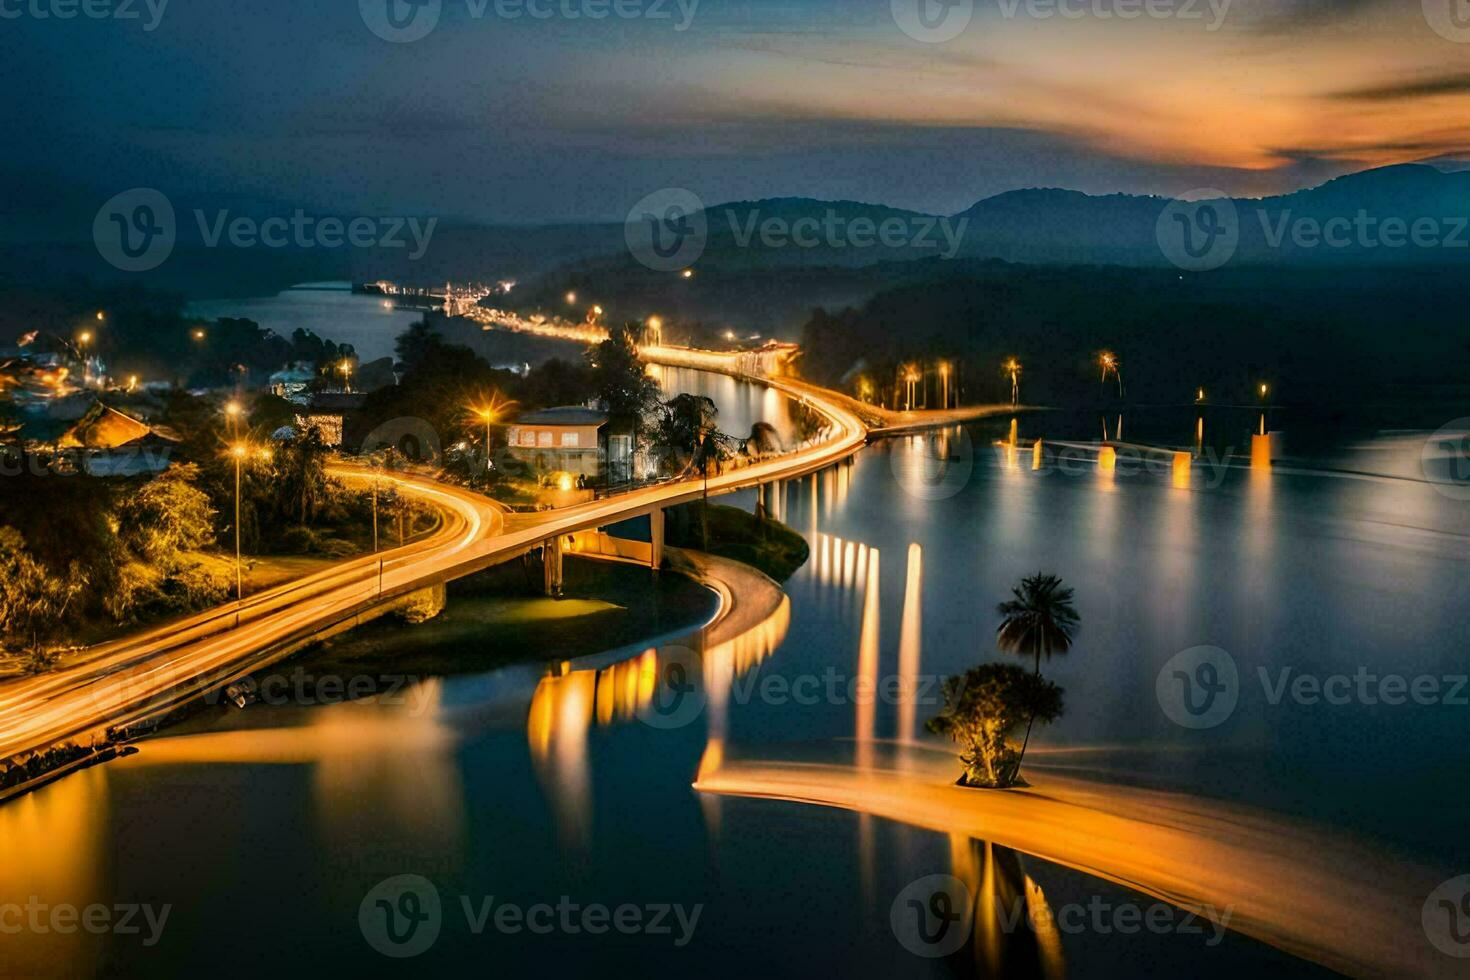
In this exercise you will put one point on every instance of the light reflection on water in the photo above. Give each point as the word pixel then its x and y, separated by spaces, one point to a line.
pixel 502 780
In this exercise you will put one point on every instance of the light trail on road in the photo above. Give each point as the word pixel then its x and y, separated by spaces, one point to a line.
pixel 134 678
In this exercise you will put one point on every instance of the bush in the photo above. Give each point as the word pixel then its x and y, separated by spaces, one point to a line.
pixel 297 540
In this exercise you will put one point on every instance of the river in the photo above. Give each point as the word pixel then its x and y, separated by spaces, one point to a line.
pixel 264 834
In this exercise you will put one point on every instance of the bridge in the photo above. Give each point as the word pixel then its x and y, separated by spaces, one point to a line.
pixel 141 677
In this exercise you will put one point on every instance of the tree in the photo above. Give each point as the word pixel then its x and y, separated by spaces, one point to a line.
pixel 982 708
pixel 622 385
pixel 686 439
pixel 168 514
pixel 1039 621
pixel 33 601
pixel 762 441
pixel 302 486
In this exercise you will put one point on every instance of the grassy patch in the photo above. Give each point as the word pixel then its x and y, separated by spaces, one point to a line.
pixel 765 544
pixel 497 617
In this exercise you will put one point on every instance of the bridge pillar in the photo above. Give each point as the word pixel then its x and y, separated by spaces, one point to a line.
pixel 656 537
pixel 551 565
pixel 423 605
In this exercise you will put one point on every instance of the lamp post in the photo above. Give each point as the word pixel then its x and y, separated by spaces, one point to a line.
pixel 232 409
pixel 238 451
pixel 1109 362
pixel 346 368
pixel 1013 368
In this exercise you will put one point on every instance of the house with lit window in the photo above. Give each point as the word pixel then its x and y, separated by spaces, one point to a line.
pixel 570 439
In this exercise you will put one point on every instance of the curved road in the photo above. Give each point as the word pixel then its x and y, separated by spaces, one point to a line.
pixel 133 678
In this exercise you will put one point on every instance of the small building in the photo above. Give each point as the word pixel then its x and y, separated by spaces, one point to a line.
pixel 571 439
pixel 107 442
pixel 333 413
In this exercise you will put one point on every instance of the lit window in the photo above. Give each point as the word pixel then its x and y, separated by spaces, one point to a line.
pixel 543 438
pixel 570 440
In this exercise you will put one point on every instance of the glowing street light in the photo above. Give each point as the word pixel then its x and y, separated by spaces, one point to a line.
pixel 100 316
pixel 197 334
pixel 911 378
pixel 571 299
pixel 1013 368
pixel 1199 396
pixel 944 377
pixel 687 274
pixel 1264 389
pixel 132 382
pixel 346 369
pixel 233 410
pixel 1109 362
pixel 239 450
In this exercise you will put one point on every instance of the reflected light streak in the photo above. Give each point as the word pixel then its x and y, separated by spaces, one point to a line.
pixel 1314 894
pixel 910 642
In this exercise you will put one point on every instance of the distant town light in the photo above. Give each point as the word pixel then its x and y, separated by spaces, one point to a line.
pixel 85 337
pixel 571 298
pixel 99 316
pixel 197 334
pixel 687 274
pixel 232 408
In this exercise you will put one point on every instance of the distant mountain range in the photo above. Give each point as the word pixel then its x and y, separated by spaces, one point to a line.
pixel 1406 214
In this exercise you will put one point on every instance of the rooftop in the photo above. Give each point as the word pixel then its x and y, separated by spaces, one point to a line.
pixel 564 415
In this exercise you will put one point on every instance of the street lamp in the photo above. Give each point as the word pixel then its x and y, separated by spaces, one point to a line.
pixel 197 334
pixel 346 368
pixel 1109 362
pixel 239 451
pixel 1013 368
pixel 83 339
pixel 487 414
pixel 571 299
pixel 1199 396
pixel 910 377
pixel 944 378
pixel 687 274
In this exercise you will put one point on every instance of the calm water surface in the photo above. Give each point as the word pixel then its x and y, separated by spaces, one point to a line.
pixel 266 833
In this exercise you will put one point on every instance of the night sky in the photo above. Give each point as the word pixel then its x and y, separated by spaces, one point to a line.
pixel 518 119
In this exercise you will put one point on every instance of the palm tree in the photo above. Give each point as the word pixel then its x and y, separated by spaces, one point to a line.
pixel 1039 621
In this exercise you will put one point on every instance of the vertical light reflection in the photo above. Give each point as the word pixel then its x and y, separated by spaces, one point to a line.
pixel 51 846
pixel 910 644
pixel 867 705
pixel 386 772
pixel 561 714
